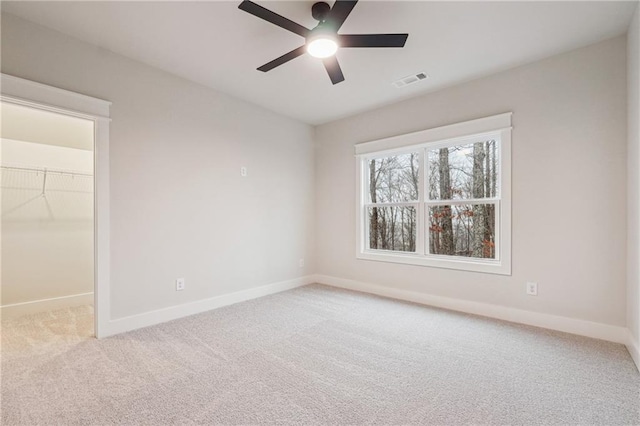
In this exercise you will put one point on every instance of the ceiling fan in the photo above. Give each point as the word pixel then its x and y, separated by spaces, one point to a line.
pixel 323 41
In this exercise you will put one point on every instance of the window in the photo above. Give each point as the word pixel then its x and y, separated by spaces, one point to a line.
pixel 439 198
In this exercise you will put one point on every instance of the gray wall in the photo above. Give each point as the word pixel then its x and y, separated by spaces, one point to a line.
pixel 633 185
pixel 569 179
pixel 179 207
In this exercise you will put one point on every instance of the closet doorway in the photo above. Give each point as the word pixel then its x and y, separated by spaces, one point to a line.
pixel 47 233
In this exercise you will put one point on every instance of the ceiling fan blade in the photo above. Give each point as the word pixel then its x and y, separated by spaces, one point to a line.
pixel 333 68
pixel 373 40
pixel 282 59
pixel 339 13
pixel 274 18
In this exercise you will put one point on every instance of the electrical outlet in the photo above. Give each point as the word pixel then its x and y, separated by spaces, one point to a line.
pixel 180 284
pixel 243 171
pixel 301 263
pixel 532 289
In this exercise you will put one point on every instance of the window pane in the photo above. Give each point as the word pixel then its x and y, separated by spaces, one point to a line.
pixel 394 179
pixel 392 228
pixel 466 230
pixel 464 172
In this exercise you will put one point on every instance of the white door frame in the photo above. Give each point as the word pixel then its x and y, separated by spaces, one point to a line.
pixel 40 96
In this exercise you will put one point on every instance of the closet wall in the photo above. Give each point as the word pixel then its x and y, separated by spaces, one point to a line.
pixel 47 215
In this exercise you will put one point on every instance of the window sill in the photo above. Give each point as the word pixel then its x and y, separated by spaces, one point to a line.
pixel 472 265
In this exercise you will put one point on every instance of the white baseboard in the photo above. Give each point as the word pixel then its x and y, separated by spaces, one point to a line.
pixel 158 316
pixel 633 346
pixel 568 325
pixel 35 306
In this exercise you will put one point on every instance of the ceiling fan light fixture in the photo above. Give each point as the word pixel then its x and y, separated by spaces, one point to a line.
pixel 322 47
pixel 322 41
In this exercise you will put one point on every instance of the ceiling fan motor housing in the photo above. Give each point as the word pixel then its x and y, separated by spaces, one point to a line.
pixel 320 10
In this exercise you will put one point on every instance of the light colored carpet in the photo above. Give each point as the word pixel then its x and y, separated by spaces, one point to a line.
pixel 315 355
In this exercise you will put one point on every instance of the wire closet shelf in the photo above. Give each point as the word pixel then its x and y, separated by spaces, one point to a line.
pixel 45 193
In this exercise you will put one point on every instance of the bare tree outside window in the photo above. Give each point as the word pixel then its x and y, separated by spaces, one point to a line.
pixel 458 173
pixel 463 174
pixel 393 191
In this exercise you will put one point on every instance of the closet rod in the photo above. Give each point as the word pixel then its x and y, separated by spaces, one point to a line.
pixel 46 170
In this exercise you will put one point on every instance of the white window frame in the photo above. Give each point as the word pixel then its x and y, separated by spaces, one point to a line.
pixel 495 127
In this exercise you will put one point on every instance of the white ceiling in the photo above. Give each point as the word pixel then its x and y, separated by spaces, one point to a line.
pixel 220 46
